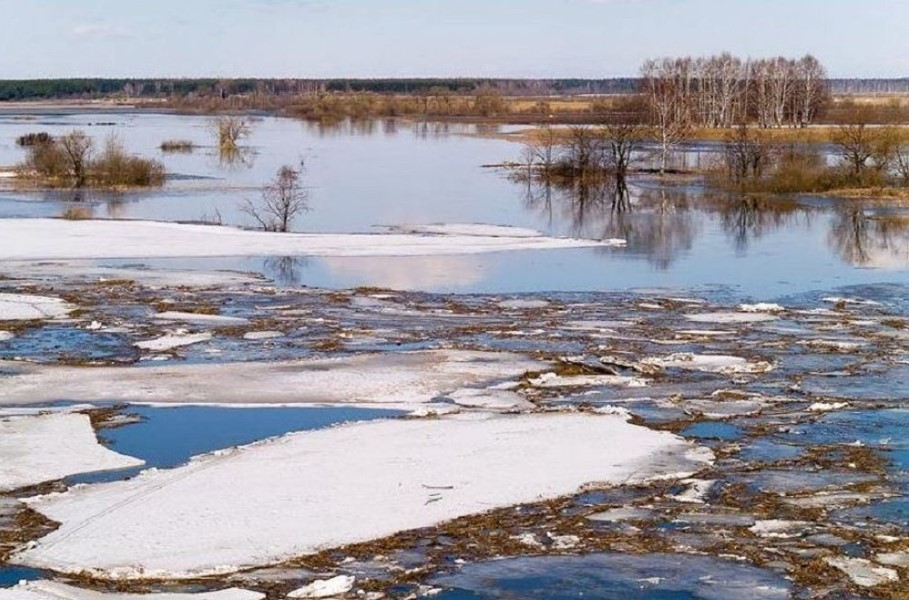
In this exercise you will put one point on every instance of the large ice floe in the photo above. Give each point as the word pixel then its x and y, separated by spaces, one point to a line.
pixel 306 492
pixel 401 379
pixel 53 590
pixel 38 448
pixel 23 307
pixel 34 239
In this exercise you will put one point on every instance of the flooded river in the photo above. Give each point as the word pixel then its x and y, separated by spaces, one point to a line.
pixel 766 336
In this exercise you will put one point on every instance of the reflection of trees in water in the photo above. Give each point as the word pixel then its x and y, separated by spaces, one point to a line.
pixel 233 158
pixel 748 218
pixel 869 241
pixel 285 270
pixel 656 223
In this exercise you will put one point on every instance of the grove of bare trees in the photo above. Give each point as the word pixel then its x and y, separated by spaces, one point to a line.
pixel 724 90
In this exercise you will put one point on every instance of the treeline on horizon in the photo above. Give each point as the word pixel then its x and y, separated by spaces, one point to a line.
pixel 99 88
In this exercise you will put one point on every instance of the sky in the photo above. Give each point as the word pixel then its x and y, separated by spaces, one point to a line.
pixel 443 38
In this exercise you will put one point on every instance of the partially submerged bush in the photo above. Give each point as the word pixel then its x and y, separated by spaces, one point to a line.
pixel 77 213
pixel 183 146
pixel 230 131
pixel 69 160
pixel 34 139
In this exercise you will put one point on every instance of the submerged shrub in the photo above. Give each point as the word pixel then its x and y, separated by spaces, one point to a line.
pixel 184 146
pixel 34 139
pixel 77 213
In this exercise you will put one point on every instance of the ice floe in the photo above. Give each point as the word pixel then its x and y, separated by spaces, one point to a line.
pixel 174 340
pixel 553 380
pixel 731 317
pixel 761 307
pixel 39 448
pixel 400 379
pixel 709 363
pixel 54 590
pixel 22 307
pixel 200 318
pixel 862 571
pixel 324 588
pixel 33 239
pixel 310 491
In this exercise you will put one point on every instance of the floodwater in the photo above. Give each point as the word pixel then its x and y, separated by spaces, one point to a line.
pixel 647 577
pixel 838 267
pixel 363 176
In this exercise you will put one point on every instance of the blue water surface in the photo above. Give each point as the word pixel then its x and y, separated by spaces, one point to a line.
pixel 169 436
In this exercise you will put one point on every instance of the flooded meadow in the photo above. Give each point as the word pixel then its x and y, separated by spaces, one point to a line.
pixel 445 382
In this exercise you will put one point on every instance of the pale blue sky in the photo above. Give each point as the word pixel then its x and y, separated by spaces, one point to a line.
pixel 413 38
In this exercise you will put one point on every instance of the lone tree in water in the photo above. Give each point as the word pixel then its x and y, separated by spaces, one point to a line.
pixel 282 200
pixel 77 150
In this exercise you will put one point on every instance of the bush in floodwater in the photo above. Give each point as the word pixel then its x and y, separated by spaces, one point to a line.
pixel 70 160
pixel 46 160
pixel 230 131
pixel 184 146
pixel 34 139
pixel 116 167
pixel 77 213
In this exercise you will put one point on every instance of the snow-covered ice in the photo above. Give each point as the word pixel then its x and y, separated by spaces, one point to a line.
pixel 862 571
pixel 709 363
pixel 21 307
pixel 400 379
pixel 39 448
pixel 725 317
pixel 761 307
pixel 169 341
pixel 42 239
pixel 324 588
pixel 54 590
pixel 200 318
pixel 299 494
pixel 553 380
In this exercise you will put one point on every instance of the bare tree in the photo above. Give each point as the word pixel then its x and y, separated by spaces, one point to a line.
pixel 664 88
pixel 862 147
pixel 746 154
pixel 282 200
pixel 811 91
pixel 230 131
pixel 77 148
pixel 621 143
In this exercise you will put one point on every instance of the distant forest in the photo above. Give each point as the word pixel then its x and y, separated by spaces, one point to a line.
pixel 50 89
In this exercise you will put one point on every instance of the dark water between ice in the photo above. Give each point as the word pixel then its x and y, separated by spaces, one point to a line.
pixel 613 576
